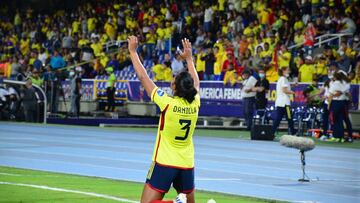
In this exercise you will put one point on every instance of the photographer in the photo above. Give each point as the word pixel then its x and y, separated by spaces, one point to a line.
pixel 75 85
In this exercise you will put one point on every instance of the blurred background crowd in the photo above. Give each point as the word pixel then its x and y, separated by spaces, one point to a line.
pixel 87 39
pixel 228 36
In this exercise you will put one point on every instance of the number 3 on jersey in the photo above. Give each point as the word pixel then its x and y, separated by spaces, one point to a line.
pixel 186 127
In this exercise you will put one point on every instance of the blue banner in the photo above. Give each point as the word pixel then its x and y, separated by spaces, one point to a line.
pixel 217 99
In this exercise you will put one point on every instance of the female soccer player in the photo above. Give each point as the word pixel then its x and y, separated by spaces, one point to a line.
pixel 282 102
pixel 173 157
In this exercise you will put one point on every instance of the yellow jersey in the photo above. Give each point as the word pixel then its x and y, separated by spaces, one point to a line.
pixel 272 74
pixel 150 38
pixel 168 74
pixel 174 144
pixel 168 32
pixel 91 24
pixel 321 68
pixel 200 64
pixel 158 69
pixel 267 53
pixel 160 33
pixel 97 48
pixel 247 31
pixel 110 30
pixel 83 42
pixel 230 77
pixel 284 62
pixel 24 46
pixel 75 26
pixel 307 72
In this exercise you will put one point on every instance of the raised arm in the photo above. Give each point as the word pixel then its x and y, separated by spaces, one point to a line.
pixel 138 66
pixel 187 55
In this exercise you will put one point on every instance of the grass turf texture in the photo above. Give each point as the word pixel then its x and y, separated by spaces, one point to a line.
pixel 121 189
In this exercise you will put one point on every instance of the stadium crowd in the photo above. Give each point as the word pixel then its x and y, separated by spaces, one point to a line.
pixel 229 36
pixel 233 40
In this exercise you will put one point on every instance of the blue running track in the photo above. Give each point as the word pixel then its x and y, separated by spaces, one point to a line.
pixel 235 166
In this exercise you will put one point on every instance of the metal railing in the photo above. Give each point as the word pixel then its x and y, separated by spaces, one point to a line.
pixel 323 39
pixel 115 43
pixel 112 43
pixel 37 87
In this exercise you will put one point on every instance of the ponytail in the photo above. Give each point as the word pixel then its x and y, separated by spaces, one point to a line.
pixel 184 85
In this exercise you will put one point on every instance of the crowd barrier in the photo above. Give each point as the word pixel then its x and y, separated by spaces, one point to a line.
pixel 217 99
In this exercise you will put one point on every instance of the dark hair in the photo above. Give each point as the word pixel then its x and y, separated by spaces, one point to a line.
pixel 184 84
pixel 246 71
pixel 341 76
pixel 281 70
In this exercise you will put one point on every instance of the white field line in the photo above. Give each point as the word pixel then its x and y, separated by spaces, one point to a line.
pixel 70 191
pixel 10 174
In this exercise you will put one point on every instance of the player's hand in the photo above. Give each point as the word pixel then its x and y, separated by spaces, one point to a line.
pixel 187 53
pixel 132 44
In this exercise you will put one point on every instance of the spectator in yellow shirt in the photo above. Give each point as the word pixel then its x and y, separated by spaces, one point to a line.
pixel 299 24
pixel 159 71
pixel 104 59
pixel 321 69
pixel 299 37
pixel 307 71
pixel 284 57
pixel 24 46
pixel 266 53
pixel 110 29
pixel 122 36
pixel 231 77
pixel 160 32
pixel 150 43
pixel 249 29
pixel 91 24
pixel 200 64
pixel 97 48
pixel 264 18
pixel 75 26
pixel 83 41
pixel 130 23
pixel 221 5
pixel 219 60
pixel 354 77
pixel 168 30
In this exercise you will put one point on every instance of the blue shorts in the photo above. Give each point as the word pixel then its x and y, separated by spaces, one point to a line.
pixel 160 178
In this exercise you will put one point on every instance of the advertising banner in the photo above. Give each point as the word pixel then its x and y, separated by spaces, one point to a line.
pixel 217 99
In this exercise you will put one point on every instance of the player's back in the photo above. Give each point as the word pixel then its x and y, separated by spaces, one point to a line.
pixel 174 144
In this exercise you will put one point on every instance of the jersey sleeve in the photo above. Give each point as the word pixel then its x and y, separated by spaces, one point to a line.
pixel 160 98
pixel 197 99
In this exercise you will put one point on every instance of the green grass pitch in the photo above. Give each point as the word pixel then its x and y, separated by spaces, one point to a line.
pixel 116 188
